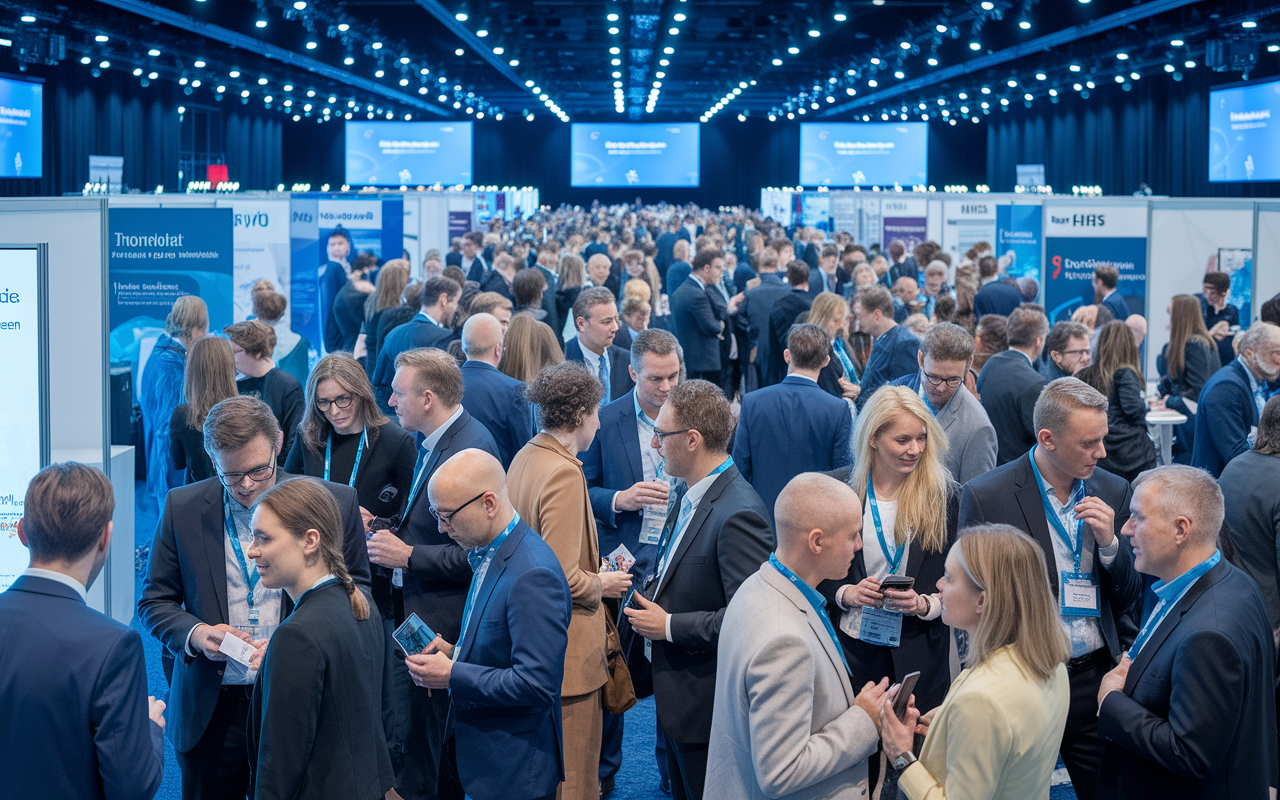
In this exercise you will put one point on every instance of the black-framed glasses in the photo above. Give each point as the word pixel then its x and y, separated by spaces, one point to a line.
pixel 1085 351
pixel 447 516
pixel 938 380
pixel 660 435
pixel 341 401
pixel 257 475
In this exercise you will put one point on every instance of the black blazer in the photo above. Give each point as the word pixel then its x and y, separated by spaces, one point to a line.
pixel 186 447
pixel 283 393
pixel 498 402
pixel 315 725
pixel 186 584
pixel 619 376
pixel 1009 387
pixel 1009 495
pixel 1129 448
pixel 1197 716
pixel 781 317
pixel 698 325
pixel 1199 362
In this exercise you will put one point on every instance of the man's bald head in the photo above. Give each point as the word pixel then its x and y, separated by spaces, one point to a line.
pixel 469 490
pixel 812 500
pixel 481 334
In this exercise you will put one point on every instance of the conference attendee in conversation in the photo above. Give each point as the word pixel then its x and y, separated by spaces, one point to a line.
pixel 1009 384
pixel 997 733
pixel 893 355
pixel 1190 711
pixel 701 315
pixel 252 346
pixel 75 718
pixel 201 588
pixel 428 328
pixel 315 726
pixel 495 400
pixel 1231 402
pixel 503 673
pixel 1074 510
pixel 787 722
pixel 595 316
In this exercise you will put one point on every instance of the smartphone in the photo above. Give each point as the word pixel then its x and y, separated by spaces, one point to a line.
pixel 905 689
pixel 898 583
pixel 414 635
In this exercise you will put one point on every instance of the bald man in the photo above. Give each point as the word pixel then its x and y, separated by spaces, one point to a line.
pixel 504 672
pixel 786 722
pixel 494 399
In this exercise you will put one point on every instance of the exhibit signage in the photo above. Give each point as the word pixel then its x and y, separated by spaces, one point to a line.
pixel 1078 238
pixel 1018 240
pixel 905 219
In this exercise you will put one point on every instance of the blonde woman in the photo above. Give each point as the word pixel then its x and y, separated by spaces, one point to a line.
pixel 839 377
pixel 997 733
pixel 528 347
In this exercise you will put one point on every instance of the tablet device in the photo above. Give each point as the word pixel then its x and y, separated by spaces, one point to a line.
pixel 898 583
pixel 414 636
pixel 903 697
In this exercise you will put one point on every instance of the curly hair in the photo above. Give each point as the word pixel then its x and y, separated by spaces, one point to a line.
pixel 565 394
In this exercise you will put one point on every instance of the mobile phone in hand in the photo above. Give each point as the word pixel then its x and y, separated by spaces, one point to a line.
pixel 414 635
pixel 903 697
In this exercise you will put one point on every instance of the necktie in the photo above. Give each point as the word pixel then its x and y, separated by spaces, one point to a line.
pixel 604 376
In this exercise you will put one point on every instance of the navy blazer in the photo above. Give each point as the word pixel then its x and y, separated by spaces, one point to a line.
pixel 838 282
pixel 892 356
pixel 619 359
pixel 1224 416
pixel 1010 495
pixel 1008 388
pixel 73 699
pixel 186 584
pixel 506 677
pixel 613 464
pixel 498 403
pixel 787 429
pixel 996 297
pixel 756 304
pixel 413 334
pixel 677 273
pixel 1197 715
pixel 1116 304
pixel 698 325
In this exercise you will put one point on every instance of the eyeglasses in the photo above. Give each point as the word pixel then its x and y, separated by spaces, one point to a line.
pixel 446 517
pixel 938 380
pixel 1083 352
pixel 341 401
pixel 257 475
pixel 660 435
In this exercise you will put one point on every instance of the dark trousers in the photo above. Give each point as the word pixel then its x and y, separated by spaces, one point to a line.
pixel 418 748
pixel 712 376
pixel 217 768
pixel 688 766
pixel 611 746
pixel 1081 750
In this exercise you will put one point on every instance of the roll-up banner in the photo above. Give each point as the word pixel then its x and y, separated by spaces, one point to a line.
pixel 1019 235
pixel 1079 238
pixel 966 222
pixel 904 218
pixel 260 231
pixel 844 213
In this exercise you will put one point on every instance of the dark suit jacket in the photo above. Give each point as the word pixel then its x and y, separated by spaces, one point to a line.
pixel 413 334
pixel 907 268
pixel 662 259
pixel 479 268
pixel 1008 387
pixel 1225 414
pixel 619 359
pixel 787 429
pixel 892 356
pixel 1117 305
pixel 496 282
pixel 727 540
pixel 186 584
pixel 505 683
pixel 1197 717
pixel 73 699
pixel 755 308
pixel 677 273
pixel 996 297
pixel 698 325
pixel 436 582
pixel 1009 495
pixel 315 726
pixel 839 280
pixel 497 402
pixel 781 317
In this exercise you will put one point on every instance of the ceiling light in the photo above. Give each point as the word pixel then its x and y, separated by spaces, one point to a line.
pixel 673 31
pixel 262 23
pixel 1090 85
pixel 613 31
pixel 1177 42
pixel 659 74
pixel 461 16
pixel 1119 79
pixel 1248 24
pixel 612 17
pixel 344 27
pixel 872 84
pixel 300 5
pixel 515 62
pixel 27 18
pixel 940 28
pixel 963 96
pixel 899 75
pixel 777 62
pixel 1074 67
pixel 933 62
pixel 263 82
pixel 1012 83
pixel 1272 48
pixel 1189 64
pixel 614 51
pixel 482 33
pixel 1040 76
pixel 137 72
pixel 986 90
pixel 376 45
pixel 987 5
pixel 1135 75
pixel 379 74
pixel 837 18
pixel 100 38
pixel 905 45
pixel 1122 56
pixel 348 61
pixel 793 50
pixel 815 33
pixel 679 18
pixel 974 46
pixel 668 50
pixel 1026 26
pixel 497 51
pixel 459 52
pixel 153 75
pixel 311 45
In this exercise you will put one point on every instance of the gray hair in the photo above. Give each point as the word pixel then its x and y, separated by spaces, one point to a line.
pixel 1059 399
pixel 658 342
pixel 1258 334
pixel 947 341
pixel 1183 491
pixel 590 298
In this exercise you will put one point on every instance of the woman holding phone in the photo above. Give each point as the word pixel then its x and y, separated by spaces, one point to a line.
pixel 997 733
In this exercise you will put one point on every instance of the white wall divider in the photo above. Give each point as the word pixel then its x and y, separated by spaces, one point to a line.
pixel 1266 254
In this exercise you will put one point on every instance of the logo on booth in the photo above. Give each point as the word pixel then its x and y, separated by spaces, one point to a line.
pixel 1057 267
pixel 1081 220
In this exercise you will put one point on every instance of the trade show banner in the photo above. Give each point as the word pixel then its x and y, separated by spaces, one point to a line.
pixel 157 255
pixel 1018 239
pixel 815 210
pixel 261 240
pixel 965 223
pixel 904 218
pixel 375 225
pixel 459 224
pixel 1081 237
pixel 306 251
pixel 844 212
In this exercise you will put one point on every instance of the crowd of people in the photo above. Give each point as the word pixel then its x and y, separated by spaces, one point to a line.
pixel 857 518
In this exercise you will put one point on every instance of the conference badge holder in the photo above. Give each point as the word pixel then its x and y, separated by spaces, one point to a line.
pixel 880 627
pixel 655 516
pixel 1079 595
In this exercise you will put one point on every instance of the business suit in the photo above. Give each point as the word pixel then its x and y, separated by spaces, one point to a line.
pixel 971 438
pixel 996 297
pixel 998 728
pixel 784 723
pixel 666 244
pixel 186 585
pixel 1010 495
pixel 677 273
pixel 417 332
pixel 619 359
pixel 1196 717
pixel 73 699
pixel 892 356
pixel 756 305
pixel 1253 516
pixel 699 324
pixel 833 283
pixel 1009 387
pixel 787 429
pixel 505 682
pixel 782 316
pixel 498 402
pixel 1225 416
pixel 549 491
pixel 1116 304
pixel 316 718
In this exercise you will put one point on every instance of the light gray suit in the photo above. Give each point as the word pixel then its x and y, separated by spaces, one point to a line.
pixel 971 436
pixel 784 723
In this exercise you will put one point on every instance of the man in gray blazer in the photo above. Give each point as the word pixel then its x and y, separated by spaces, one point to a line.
pixel 946 351
pixel 786 722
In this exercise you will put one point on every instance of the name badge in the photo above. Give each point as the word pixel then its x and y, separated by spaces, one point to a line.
pixel 655 516
pixel 397 578
pixel 254 616
pixel 880 627
pixel 648 650
pixel 1079 595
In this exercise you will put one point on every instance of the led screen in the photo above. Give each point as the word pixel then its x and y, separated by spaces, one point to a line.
pixel 640 154
pixel 864 153
pixel 21 128
pixel 1244 133
pixel 408 153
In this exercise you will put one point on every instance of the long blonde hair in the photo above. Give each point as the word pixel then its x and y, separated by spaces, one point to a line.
pixel 826 307
pixel 922 501
pixel 392 279
pixel 1020 610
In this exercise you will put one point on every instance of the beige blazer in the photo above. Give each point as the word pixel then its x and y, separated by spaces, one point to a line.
pixel 549 491
pixel 784 723
pixel 996 735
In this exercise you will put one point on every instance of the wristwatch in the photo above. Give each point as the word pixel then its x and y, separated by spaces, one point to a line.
pixel 903 761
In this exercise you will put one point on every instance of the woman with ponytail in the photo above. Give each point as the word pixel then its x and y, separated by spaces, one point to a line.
pixel 316 716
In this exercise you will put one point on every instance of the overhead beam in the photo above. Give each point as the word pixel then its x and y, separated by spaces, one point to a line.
pixel 446 18
pixel 1056 39
pixel 229 37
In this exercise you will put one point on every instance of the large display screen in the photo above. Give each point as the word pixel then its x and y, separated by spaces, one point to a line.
pixel 864 153
pixel 637 154
pixel 1244 133
pixel 21 128
pixel 408 153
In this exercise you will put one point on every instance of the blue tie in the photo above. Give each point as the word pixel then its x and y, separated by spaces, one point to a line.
pixel 604 375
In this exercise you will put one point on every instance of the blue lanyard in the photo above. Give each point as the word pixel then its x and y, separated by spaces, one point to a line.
pixel 1076 545
pixel 250 579
pixel 1166 604
pixel 849 373
pixel 818 603
pixel 328 449
pixel 476 557
pixel 891 558
pixel 415 487
pixel 925 396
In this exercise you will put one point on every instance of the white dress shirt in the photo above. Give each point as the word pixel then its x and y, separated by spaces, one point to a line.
pixel 60 577
pixel 1085 632
pixel 693 497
